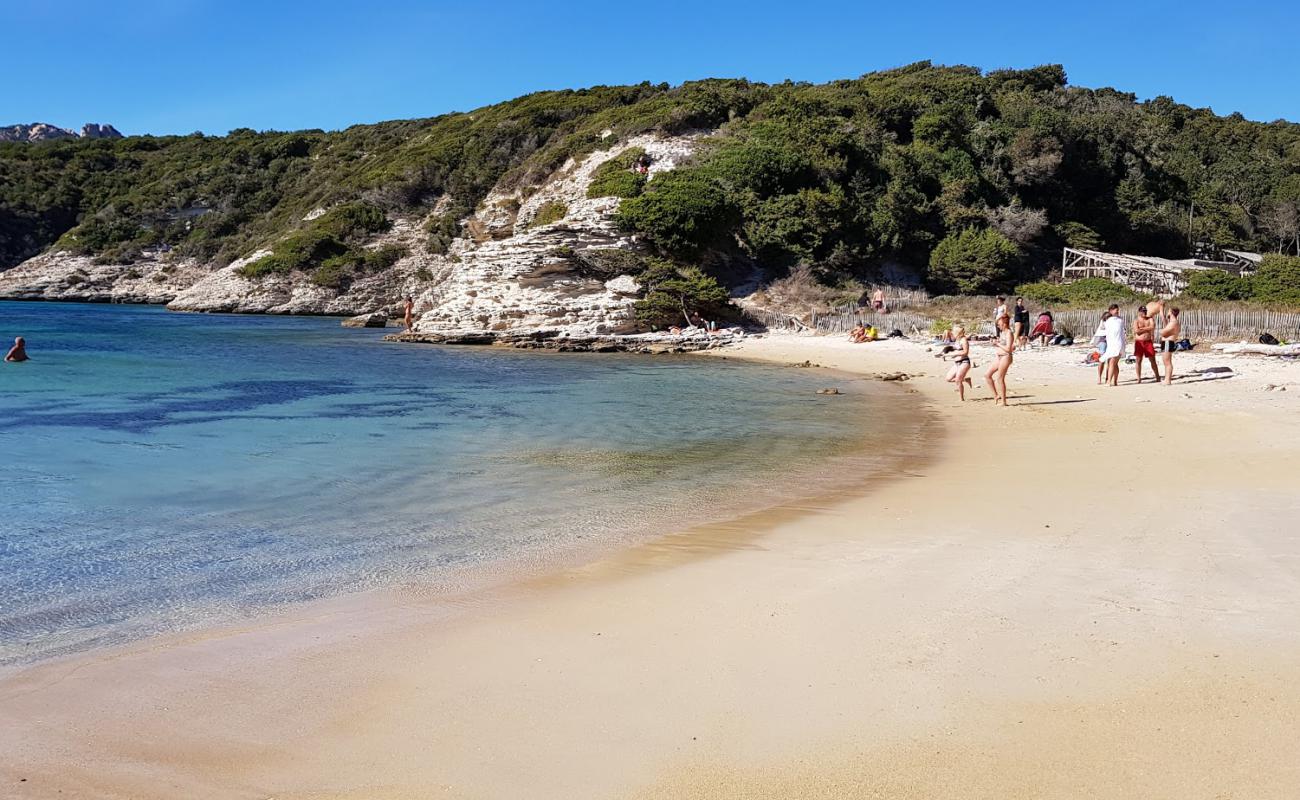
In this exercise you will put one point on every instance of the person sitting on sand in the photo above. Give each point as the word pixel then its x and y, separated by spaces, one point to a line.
pixel 872 334
pixel 18 352
pixel 858 333
pixel 962 365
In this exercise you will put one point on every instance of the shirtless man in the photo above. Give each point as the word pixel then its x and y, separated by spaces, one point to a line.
pixel 878 301
pixel 18 352
pixel 1169 336
pixel 1144 342
pixel 408 306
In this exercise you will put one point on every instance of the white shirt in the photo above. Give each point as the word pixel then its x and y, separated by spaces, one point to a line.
pixel 999 312
pixel 1115 331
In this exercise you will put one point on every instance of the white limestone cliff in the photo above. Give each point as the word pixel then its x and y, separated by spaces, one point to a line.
pixel 507 276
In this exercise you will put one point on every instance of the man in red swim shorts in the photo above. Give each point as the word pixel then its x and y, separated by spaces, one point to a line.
pixel 1144 342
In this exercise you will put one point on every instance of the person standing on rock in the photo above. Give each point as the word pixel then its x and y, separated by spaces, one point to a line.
pixel 18 352
pixel 407 308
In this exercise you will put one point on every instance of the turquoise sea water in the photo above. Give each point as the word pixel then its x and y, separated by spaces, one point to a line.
pixel 160 471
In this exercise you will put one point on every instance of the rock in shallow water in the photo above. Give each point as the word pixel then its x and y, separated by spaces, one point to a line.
pixel 375 319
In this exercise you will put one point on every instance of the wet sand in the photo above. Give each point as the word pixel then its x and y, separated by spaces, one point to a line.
pixel 1094 593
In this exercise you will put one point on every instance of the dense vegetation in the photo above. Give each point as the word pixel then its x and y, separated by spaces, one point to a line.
pixel 974 178
pixel 1275 282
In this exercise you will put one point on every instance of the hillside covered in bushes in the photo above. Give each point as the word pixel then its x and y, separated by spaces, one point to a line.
pixel 975 179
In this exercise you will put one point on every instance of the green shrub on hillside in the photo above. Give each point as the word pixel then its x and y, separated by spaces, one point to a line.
pixel 973 261
pixel 332 237
pixel 672 293
pixel 1090 292
pixel 338 272
pixel 1277 280
pixel 680 213
pixel 443 230
pixel 548 212
pixel 1216 284
pixel 1079 236
pixel 616 178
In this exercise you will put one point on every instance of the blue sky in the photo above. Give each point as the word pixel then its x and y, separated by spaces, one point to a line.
pixel 176 66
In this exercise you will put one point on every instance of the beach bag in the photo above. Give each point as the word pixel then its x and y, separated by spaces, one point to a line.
pixel 1268 338
pixel 895 334
pixel 1183 344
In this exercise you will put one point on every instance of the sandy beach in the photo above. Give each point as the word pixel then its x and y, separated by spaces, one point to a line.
pixel 1092 593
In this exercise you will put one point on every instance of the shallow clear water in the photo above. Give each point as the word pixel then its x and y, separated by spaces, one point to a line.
pixel 160 471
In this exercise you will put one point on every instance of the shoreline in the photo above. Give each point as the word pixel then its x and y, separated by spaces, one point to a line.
pixel 900 641
pixel 459 585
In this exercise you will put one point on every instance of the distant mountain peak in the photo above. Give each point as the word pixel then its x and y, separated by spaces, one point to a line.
pixel 44 132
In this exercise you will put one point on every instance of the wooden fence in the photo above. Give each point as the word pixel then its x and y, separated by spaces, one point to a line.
pixel 1198 324
pixel 843 320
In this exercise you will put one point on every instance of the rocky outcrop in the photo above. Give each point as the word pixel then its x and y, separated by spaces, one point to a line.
pixel 515 274
pixel 44 132
pixel 689 340
pixel 92 130
pixel 155 278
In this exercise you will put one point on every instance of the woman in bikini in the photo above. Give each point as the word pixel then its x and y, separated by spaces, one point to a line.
pixel 1005 345
pixel 962 365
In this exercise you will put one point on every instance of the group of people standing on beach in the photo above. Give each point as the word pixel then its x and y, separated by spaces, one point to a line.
pixel 1110 339
pixel 1014 332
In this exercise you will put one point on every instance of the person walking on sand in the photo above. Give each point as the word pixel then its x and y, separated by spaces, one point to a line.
pixel 1144 342
pixel 1005 344
pixel 1114 345
pixel 1168 341
pixel 962 365
pixel 408 308
pixel 1021 320
pixel 17 353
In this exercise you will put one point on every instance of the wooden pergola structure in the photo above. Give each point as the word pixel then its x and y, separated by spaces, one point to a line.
pixel 1162 277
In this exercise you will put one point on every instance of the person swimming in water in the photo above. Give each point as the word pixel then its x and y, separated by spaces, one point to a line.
pixel 18 352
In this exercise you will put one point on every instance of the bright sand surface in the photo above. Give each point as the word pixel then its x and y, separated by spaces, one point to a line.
pixel 1093 593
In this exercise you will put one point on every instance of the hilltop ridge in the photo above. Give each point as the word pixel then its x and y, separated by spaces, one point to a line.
pixel 968 181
